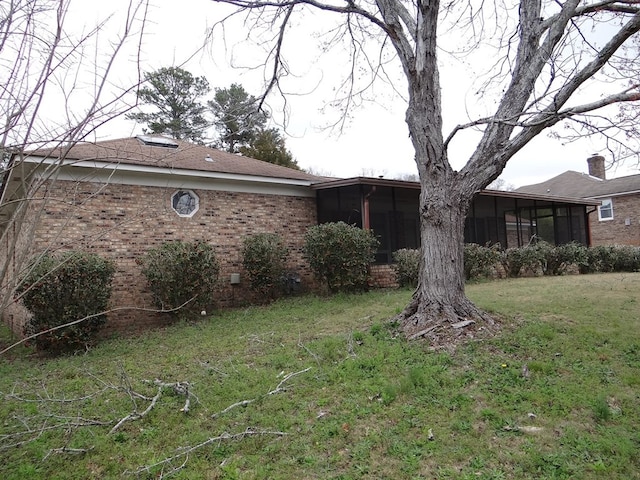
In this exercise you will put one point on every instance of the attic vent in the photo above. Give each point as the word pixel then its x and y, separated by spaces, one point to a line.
pixel 157 141
pixel 208 158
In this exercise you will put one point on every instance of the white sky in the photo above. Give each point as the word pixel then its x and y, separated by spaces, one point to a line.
pixel 375 139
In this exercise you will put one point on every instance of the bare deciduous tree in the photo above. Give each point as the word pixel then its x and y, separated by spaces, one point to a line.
pixel 56 89
pixel 552 61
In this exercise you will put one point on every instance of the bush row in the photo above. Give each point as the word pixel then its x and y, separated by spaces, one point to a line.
pixel 540 258
pixel 75 287
pixel 64 289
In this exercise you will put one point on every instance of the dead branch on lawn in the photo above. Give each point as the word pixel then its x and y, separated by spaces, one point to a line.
pixel 279 388
pixel 71 451
pixel 180 388
pixel 32 432
pixel 184 452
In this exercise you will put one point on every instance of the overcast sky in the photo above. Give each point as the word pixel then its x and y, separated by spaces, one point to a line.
pixel 373 141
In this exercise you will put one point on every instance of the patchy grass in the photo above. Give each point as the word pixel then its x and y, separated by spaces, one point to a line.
pixel 555 395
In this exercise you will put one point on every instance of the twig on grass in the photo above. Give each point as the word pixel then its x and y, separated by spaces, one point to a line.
pixel 71 451
pixel 184 452
pixel 288 377
pixel 306 349
pixel 279 388
pixel 180 388
pixel 137 416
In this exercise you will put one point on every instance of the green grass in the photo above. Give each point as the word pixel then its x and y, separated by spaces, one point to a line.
pixel 368 403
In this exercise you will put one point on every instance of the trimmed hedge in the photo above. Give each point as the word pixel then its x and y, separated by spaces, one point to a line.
pixel 182 274
pixel 480 261
pixel 340 255
pixel 538 258
pixel 60 289
pixel 406 266
pixel 263 258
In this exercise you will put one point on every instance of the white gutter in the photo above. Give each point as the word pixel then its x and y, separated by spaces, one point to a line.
pixel 116 173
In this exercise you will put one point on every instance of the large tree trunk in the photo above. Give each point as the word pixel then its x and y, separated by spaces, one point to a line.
pixel 439 309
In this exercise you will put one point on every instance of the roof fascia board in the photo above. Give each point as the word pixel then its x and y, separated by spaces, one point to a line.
pixel 145 169
pixel 195 182
pixel 618 194
pixel 381 182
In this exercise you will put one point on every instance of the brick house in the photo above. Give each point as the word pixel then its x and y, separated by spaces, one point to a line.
pixel 120 197
pixel 616 218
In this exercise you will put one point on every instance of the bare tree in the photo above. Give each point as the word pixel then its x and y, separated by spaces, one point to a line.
pixel 552 61
pixel 55 90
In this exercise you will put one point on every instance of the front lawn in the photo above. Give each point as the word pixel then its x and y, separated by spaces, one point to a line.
pixel 325 388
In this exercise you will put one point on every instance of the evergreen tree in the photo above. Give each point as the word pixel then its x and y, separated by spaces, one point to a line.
pixel 269 146
pixel 176 95
pixel 237 117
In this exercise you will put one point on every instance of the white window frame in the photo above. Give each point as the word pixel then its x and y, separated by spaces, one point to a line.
pixel 605 210
pixel 193 195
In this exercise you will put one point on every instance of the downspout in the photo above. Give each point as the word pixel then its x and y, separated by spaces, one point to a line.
pixel 366 222
pixel 588 223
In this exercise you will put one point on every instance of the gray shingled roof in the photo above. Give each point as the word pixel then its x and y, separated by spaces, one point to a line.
pixel 188 156
pixel 581 185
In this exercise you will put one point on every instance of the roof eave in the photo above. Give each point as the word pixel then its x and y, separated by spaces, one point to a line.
pixel 383 182
pixel 129 167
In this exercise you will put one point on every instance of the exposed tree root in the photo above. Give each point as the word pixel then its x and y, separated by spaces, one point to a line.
pixel 445 326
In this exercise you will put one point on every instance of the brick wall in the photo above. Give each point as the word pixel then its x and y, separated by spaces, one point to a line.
pixel 616 231
pixel 122 222
pixel 383 276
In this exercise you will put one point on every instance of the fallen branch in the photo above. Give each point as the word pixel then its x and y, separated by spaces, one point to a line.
pixel 72 451
pixel 180 388
pixel 36 432
pixel 186 451
pixel 137 416
pixel 279 388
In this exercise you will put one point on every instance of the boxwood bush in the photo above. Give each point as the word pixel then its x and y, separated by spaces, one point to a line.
pixel 480 261
pixel 264 258
pixel 406 266
pixel 558 259
pixel 340 255
pixel 182 274
pixel 63 288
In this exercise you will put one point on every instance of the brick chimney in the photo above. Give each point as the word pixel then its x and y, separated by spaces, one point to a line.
pixel 596 166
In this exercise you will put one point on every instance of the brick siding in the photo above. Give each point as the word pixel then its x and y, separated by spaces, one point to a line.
pixel 616 231
pixel 383 276
pixel 122 222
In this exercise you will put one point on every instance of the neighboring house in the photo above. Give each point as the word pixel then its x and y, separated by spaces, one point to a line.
pixel 616 219
pixel 119 198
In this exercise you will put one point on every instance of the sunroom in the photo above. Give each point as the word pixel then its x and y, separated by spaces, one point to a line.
pixel 510 219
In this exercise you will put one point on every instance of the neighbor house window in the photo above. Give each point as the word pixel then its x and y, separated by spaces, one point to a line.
pixel 185 203
pixel 605 210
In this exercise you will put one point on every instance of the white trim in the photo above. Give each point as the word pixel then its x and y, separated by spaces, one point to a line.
pixel 126 167
pixel 620 194
pixel 600 217
pixel 188 181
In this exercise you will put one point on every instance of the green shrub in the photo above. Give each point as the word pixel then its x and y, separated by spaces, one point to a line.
pixel 558 259
pixel 479 261
pixel 340 255
pixel 60 289
pixel 406 265
pixel 516 260
pixel 627 259
pixel 612 258
pixel 263 258
pixel 182 274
